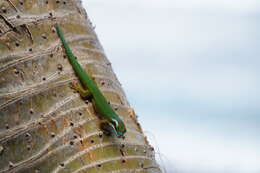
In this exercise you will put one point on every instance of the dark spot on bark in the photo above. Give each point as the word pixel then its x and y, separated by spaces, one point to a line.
pixel 44 36
pixel 123 161
pixel 17 44
pixel 141 165
pixel 28 147
pixel 18 16
pixel 122 152
pixel 52 134
pixel 11 165
pixel 28 137
pixel 59 66
pixel 16 71
pixel 4 10
pixel 71 142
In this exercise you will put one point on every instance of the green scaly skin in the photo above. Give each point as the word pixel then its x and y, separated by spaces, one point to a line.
pixel 101 104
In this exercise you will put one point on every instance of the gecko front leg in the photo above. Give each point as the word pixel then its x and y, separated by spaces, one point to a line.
pixel 83 93
pixel 105 127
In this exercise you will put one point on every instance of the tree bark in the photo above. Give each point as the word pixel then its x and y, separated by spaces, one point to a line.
pixel 45 127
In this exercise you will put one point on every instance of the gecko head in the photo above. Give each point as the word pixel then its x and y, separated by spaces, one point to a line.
pixel 119 127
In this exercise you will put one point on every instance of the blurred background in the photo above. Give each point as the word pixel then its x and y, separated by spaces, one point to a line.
pixel 190 68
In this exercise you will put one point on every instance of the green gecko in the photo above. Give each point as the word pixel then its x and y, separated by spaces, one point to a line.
pixel 89 90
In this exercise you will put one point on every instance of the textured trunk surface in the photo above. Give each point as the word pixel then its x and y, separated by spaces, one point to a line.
pixel 45 127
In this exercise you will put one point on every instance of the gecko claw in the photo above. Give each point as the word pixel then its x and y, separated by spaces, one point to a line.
pixel 74 85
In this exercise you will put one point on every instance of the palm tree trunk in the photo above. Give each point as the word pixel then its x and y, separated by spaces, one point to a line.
pixel 44 126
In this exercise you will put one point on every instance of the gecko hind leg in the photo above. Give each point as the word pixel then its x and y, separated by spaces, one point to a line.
pixel 83 93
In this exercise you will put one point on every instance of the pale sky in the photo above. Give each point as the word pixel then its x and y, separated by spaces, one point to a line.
pixel 190 68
